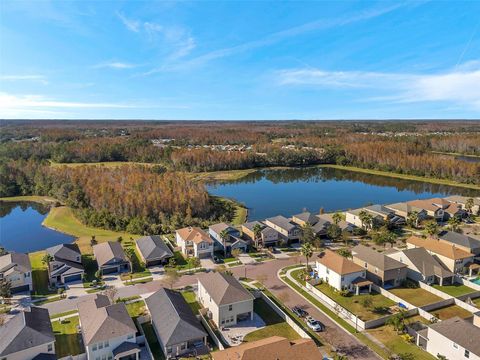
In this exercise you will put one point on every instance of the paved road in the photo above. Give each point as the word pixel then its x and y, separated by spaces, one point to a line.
pixel 334 334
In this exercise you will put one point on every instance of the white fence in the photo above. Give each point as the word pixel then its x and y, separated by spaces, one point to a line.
pixel 467 283
pixel 212 333
pixel 434 291
pixel 283 315
pixel 82 356
pixel 393 297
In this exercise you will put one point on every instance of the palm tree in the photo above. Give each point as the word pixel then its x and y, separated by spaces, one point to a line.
pixel 469 205
pixel 130 253
pixel 366 219
pixel 337 217
pixel 454 223
pixel 307 251
pixel 431 227
pixel 307 234
pixel 46 259
pixel 413 219
pixel 257 229
pixel 224 235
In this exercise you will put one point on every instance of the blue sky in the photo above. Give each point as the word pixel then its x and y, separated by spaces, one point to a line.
pixel 239 60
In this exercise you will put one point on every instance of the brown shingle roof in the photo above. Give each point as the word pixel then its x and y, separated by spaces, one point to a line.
pixel 375 258
pixel 439 247
pixel 194 234
pixel 272 348
pixel 338 263
pixel 224 289
pixel 107 251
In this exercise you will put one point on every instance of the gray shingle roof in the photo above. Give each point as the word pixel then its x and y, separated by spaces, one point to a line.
pixel 101 321
pixel 461 332
pixel 25 330
pixel 282 222
pixel 20 260
pixel 224 289
pixel 173 318
pixel 218 228
pixel 153 248
pixel 379 209
pixel 460 239
pixel 426 263
pixel 307 217
pixel 68 252
pixel 108 251
pixel 375 258
pixel 251 224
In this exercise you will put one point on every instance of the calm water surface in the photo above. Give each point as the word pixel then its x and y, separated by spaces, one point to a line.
pixel 288 191
pixel 21 228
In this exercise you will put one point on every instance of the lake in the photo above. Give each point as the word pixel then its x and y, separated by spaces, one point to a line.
pixel 271 192
pixel 21 227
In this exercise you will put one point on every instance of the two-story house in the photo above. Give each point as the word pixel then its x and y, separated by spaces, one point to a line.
pixel 28 335
pixel 194 242
pixel 381 269
pixel 288 231
pixel 341 273
pixel 227 301
pixel 231 241
pixel 268 237
pixel 438 208
pixel 178 330
pixel 66 265
pixel 16 268
pixel 463 200
pixel 111 258
pixel 450 256
pixel 108 331
pixel 462 241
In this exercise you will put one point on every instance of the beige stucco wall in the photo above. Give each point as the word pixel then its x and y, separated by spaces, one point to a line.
pixel 107 351
pixel 29 354
pixel 439 344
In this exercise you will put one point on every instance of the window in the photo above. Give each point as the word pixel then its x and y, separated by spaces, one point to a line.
pixel 49 347
pixel 467 354
pixel 94 347
pixel 230 307
pixel 106 343
pixel 97 358
pixel 223 321
pixel 104 357
pixel 110 357
pixel 130 336
pixel 169 349
pixel 455 346
pixel 100 346
pixel 184 346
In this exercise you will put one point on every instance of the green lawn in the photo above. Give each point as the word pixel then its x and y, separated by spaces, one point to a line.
pixel 32 198
pixel 136 309
pixel 451 311
pixel 191 299
pixel 181 263
pixel 389 337
pixel 477 302
pixel 152 341
pixel 455 290
pixel 67 338
pixel 39 274
pixel 416 297
pixel 275 325
pixel 53 315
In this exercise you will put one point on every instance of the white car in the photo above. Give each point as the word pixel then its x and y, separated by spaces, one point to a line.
pixel 315 325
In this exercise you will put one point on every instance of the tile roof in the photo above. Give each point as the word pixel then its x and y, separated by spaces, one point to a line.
pixel 194 234
pixel 224 289
pixel 459 239
pixel 173 318
pixel 102 321
pixel 107 251
pixel 375 258
pixel 439 247
pixel 271 348
pixel 25 330
pixel 13 259
pixel 153 248
pixel 460 331
pixel 338 263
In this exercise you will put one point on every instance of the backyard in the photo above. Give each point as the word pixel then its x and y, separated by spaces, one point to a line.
pixel 415 296
pixel 68 340
pixel 455 290
pixel 448 312
pixel 191 299
pixel 275 325
pixel 136 308
pixel 152 341
pixel 39 274
pixel 477 302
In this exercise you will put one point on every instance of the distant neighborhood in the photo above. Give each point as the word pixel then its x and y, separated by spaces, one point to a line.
pixel 413 267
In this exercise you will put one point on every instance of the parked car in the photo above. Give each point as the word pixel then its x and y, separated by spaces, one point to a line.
pixel 217 260
pixel 299 311
pixel 315 325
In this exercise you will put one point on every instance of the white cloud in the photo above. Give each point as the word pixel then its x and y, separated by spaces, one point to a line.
pixel 38 78
pixel 459 85
pixel 132 25
pixel 115 65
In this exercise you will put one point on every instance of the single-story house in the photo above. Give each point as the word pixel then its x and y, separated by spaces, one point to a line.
pixel 66 265
pixel 16 268
pixel 177 329
pixel 27 336
pixel 271 348
pixel 288 231
pixel 268 236
pixel 454 338
pixel 422 266
pixel 450 256
pixel 194 242
pixel 227 301
pixel 153 250
pixel 381 269
pixel 232 240
pixel 462 201
pixel 110 257
pixel 340 272
pixel 464 242
pixel 108 331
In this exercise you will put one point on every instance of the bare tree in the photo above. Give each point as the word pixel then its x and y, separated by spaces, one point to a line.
pixel 171 277
pixel 111 293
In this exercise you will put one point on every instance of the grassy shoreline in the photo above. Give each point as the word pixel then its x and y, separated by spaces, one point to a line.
pixel 403 176
pixel 455 154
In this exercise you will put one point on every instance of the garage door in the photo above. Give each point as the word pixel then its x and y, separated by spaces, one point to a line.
pixel 109 270
pixel 203 255
pixel 20 289
pixel 154 262
pixel 73 278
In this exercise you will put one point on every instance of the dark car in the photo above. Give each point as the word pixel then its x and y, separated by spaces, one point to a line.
pixel 217 260
pixel 299 311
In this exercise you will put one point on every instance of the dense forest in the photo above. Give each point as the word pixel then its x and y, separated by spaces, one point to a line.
pixel 145 198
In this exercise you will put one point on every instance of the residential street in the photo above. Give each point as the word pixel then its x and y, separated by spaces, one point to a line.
pixel 334 334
